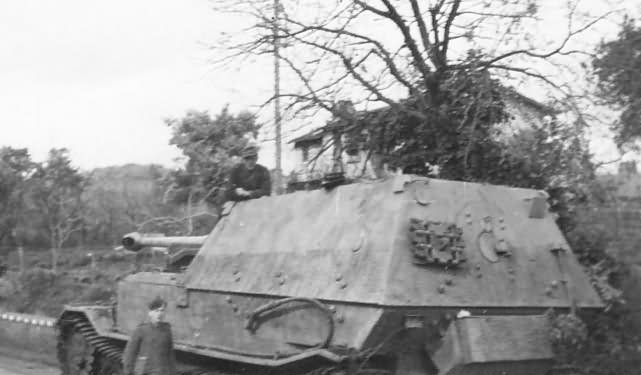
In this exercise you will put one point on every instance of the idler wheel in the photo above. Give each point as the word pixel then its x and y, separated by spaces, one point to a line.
pixel 77 355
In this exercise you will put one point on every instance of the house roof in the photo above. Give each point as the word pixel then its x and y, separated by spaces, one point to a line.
pixel 509 92
pixel 544 108
pixel 314 135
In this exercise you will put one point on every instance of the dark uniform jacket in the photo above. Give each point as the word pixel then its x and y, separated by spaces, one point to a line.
pixel 150 350
pixel 257 181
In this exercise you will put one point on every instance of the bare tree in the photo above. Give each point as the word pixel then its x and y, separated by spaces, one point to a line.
pixel 56 192
pixel 437 66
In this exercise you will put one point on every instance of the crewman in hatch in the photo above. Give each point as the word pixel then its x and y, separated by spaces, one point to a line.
pixel 249 179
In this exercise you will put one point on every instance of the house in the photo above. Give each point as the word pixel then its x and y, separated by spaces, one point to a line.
pixel 628 184
pixel 328 149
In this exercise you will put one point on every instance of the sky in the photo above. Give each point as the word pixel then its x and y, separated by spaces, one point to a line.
pixel 100 77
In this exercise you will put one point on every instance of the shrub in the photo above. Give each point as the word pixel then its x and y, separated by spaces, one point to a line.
pixel 37 280
pixel 7 288
pixel 82 261
pixel 600 342
pixel 98 293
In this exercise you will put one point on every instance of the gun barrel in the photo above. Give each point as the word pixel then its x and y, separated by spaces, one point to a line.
pixel 136 241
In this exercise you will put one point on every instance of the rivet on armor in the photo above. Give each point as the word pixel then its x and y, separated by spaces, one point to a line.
pixel 340 319
pixel 501 219
pixel 479 275
pixel 228 299
pixel 281 281
pixel 278 274
pixel 237 278
pixel 332 308
pixel 449 281
pixel 235 271
pixel 343 285
pixel 441 289
pixel 554 284
pixel 339 277
pixel 548 292
pixel 196 334
pixel 235 308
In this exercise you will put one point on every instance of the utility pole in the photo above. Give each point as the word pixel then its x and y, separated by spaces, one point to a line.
pixel 277 119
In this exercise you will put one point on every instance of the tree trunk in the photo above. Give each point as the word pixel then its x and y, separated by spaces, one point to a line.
pixel 190 222
pixel 54 255
pixel 21 257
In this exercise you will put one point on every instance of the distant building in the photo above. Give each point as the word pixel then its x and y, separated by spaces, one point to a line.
pixel 628 183
pixel 623 189
pixel 328 149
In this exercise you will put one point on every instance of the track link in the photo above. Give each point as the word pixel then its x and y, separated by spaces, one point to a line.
pixel 105 358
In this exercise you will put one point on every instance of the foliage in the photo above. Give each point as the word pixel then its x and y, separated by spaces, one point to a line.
pixel 98 293
pixel 118 199
pixel 553 157
pixel 15 169
pixel 436 67
pixel 209 145
pixel 457 138
pixel 55 191
pixel 613 335
pixel 618 69
pixel 7 288
pixel 568 335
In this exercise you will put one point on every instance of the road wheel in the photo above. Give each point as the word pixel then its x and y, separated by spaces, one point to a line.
pixel 108 366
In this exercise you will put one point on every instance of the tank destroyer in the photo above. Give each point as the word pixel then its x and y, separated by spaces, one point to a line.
pixel 403 276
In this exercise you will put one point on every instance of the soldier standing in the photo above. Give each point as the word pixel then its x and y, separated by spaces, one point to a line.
pixel 249 180
pixel 150 350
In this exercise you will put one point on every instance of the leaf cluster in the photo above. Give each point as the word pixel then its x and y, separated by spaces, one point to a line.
pixel 617 67
pixel 209 145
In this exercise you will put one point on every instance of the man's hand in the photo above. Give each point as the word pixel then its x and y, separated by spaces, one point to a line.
pixel 242 192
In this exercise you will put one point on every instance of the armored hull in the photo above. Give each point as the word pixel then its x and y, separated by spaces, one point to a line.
pixel 404 276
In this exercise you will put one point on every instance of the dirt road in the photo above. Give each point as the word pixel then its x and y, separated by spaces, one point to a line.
pixel 12 366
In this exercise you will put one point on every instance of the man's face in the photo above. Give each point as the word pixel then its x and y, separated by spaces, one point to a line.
pixel 250 161
pixel 157 315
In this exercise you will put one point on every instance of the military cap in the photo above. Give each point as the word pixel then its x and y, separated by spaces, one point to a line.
pixel 250 151
pixel 156 303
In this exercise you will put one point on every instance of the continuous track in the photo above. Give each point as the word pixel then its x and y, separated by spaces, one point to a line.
pixel 81 351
